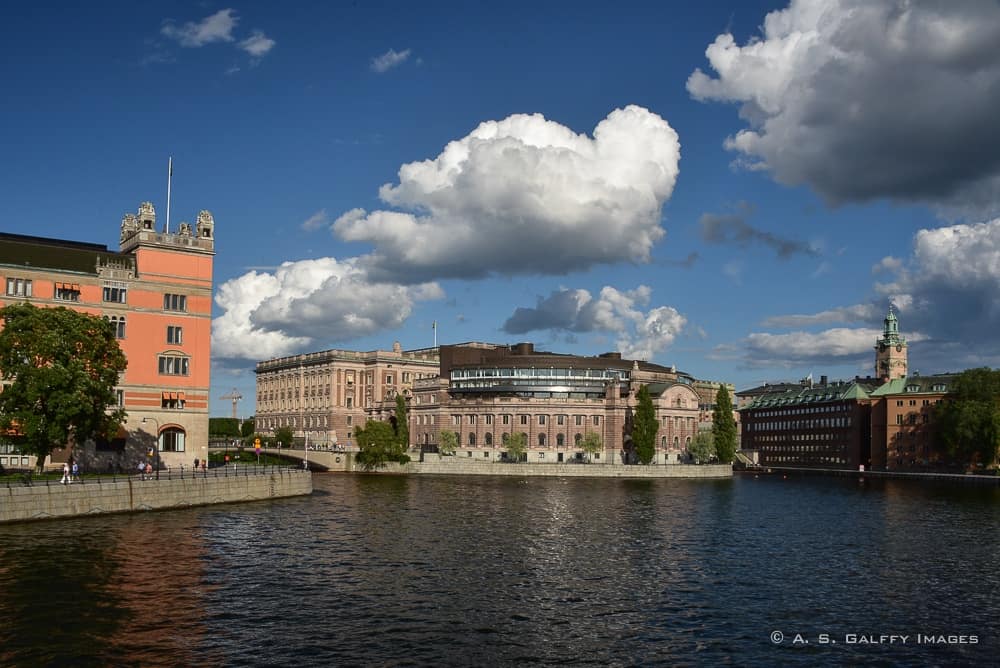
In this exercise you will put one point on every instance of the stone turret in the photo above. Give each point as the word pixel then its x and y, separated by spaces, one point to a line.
pixel 206 225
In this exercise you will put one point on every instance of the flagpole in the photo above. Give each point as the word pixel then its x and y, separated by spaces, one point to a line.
pixel 435 328
pixel 170 172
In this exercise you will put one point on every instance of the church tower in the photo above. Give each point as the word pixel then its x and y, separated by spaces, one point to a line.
pixel 890 350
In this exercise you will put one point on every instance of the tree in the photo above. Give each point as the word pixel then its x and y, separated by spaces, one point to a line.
pixel 284 436
pixel 61 368
pixel 402 422
pixel 448 442
pixel 968 421
pixel 516 445
pixel 702 448
pixel 378 444
pixel 591 443
pixel 724 426
pixel 645 427
pixel 247 428
pixel 224 427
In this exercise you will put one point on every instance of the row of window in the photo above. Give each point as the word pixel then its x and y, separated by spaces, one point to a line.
pixel 913 402
pixel 813 423
pixel 811 410
pixel 113 293
pixel 506 419
pixel 542 440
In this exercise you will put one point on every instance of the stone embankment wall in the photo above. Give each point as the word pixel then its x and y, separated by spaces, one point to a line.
pixel 461 466
pixel 21 503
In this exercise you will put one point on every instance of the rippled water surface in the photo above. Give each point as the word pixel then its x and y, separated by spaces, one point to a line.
pixel 378 570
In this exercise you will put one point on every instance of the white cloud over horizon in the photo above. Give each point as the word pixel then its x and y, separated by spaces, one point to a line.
pixel 257 44
pixel 947 292
pixel 305 304
pixel 869 99
pixel 524 195
pixel 640 335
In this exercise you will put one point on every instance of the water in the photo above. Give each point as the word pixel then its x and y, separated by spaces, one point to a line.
pixel 374 570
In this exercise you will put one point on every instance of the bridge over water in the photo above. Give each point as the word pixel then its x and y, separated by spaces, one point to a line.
pixel 319 460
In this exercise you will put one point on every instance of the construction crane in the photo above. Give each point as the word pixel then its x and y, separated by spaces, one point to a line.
pixel 235 396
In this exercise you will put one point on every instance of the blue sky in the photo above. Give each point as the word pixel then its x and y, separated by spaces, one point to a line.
pixel 735 188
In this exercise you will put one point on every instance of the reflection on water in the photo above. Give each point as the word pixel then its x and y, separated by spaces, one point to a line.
pixel 462 571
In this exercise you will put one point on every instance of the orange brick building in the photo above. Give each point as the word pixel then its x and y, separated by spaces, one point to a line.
pixel 157 292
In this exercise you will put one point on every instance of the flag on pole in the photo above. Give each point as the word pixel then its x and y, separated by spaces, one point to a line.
pixel 170 166
pixel 434 325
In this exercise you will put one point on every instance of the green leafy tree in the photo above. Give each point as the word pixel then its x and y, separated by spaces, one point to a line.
pixel 283 436
pixel 702 448
pixel 644 426
pixel 247 428
pixel 517 445
pixel 378 444
pixel 968 421
pixel 724 426
pixel 448 442
pixel 224 427
pixel 61 368
pixel 591 443
pixel 402 422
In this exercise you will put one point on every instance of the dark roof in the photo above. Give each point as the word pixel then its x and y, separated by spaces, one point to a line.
pixel 39 252
pixel 860 388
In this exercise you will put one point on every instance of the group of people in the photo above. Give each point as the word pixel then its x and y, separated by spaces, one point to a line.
pixel 71 474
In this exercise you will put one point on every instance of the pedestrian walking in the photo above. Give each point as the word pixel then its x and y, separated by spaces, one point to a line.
pixel 65 478
pixel 140 468
pixel 76 473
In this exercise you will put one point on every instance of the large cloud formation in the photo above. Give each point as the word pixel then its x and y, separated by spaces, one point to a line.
pixel 865 99
pixel 947 294
pixel 307 303
pixel 524 195
pixel 639 335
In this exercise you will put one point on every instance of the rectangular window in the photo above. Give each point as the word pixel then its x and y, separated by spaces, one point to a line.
pixel 579 420
pixel 456 420
pixel 172 441
pixel 175 302
pixel 118 324
pixel 67 292
pixel 489 419
pixel 506 419
pixel 472 419
pixel 350 420
pixel 406 376
pixel 173 366
pixel 115 294
pixel 170 400
pixel 597 420
pixel 18 287
pixel 524 419
pixel 120 398
pixel 350 402
pixel 388 379
pixel 175 335
pixel 541 419
pixel 899 419
pixel 560 420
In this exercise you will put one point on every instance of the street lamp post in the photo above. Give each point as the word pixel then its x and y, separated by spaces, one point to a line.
pixel 156 443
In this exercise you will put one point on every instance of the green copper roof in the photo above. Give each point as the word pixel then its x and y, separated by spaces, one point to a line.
pixel 817 394
pixel 40 253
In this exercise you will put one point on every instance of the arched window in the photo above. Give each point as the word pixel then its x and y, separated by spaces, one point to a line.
pixel 541 440
pixel 687 441
pixel 577 439
pixel 677 442
pixel 472 438
pixel 663 442
pixel 504 437
pixel 560 440
pixel 172 440
pixel 488 439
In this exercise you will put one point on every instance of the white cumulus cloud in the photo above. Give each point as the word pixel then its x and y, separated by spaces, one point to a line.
pixel 257 44
pixel 215 28
pixel 867 99
pixel 640 335
pixel 307 304
pixel 389 60
pixel 525 195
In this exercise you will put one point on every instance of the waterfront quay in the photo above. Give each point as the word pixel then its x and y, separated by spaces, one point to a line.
pixel 49 499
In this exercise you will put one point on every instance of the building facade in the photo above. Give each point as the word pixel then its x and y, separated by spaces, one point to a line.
pixel 903 422
pixel 485 392
pixel 322 396
pixel 481 392
pixel 884 423
pixel 156 290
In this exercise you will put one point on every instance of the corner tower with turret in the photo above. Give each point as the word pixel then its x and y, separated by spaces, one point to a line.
pixel 890 350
